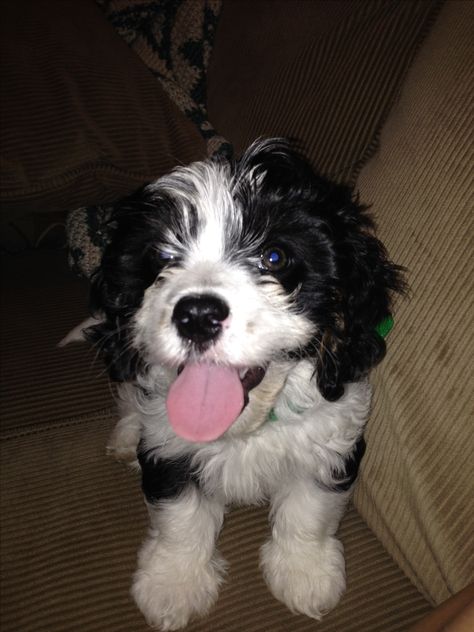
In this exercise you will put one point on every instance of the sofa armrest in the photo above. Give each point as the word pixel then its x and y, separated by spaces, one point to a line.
pixel 415 489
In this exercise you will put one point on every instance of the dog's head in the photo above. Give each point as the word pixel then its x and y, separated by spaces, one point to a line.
pixel 220 269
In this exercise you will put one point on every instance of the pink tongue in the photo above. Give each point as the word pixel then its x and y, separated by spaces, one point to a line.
pixel 204 401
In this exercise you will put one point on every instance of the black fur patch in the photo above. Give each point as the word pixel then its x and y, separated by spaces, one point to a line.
pixel 164 478
pixel 351 468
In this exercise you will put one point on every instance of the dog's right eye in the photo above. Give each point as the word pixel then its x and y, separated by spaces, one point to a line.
pixel 165 256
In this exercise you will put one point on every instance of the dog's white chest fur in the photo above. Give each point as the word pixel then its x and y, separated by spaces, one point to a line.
pixel 304 436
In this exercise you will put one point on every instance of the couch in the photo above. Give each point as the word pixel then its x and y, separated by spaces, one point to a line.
pixel 101 97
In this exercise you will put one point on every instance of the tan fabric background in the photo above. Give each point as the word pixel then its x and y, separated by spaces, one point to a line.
pixel 41 383
pixel 417 485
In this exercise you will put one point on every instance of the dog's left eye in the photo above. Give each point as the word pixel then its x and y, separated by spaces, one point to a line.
pixel 273 259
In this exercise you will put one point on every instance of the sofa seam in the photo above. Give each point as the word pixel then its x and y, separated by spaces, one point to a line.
pixel 57 182
pixel 31 430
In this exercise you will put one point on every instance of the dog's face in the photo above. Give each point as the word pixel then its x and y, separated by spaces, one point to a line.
pixel 218 271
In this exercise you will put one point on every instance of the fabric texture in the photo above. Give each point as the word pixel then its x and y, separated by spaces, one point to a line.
pixel 72 519
pixel 116 120
pixel 83 121
pixel 324 73
pixel 174 40
pixel 41 383
pixel 416 487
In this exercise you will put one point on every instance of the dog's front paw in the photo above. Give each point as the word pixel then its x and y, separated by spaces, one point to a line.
pixel 123 441
pixel 308 578
pixel 170 591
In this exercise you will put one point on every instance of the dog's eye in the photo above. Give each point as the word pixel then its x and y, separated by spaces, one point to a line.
pixel 273 259
pixel 165 256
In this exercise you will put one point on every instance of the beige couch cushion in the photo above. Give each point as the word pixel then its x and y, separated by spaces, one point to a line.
pixel 416 490
pixel 41 383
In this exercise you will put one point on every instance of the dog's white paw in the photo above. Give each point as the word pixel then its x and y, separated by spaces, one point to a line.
pixel 170 590
pixel 308 578
pixel 123 441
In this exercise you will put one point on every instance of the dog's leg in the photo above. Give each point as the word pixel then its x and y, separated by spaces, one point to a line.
pixel 179 570
pixel 123 441
pixel 303 562
pixel 125 437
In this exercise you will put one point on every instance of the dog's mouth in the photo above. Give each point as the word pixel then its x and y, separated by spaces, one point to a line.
pixel 206 398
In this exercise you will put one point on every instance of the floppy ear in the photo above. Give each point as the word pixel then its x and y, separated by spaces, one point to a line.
pixel 112 336
pixel 117 287
pixel 366 282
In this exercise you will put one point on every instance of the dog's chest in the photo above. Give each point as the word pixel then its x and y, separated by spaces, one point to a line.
pixel 250 470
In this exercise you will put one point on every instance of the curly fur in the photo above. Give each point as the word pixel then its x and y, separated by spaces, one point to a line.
pixel 309 324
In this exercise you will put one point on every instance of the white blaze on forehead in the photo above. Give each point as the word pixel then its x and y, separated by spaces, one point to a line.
pixel 219 220
pixel 209 216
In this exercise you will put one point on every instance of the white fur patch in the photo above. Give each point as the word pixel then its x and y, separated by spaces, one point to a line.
pixel 179 571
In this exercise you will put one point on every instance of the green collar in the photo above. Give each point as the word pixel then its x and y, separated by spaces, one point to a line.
pixel 384 327
pixel 272 416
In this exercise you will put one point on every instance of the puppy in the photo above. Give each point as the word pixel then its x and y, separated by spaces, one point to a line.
pixel 240 306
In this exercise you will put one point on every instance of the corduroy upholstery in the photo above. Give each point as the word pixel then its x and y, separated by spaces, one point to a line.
pixel 84 121
pixel 71 518
pixel 418 495
pixel 42 301
pixel 325 73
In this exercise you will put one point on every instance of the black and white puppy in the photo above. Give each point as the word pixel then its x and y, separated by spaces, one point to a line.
pixel 240 304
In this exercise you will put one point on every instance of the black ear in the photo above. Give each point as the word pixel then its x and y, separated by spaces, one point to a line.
pixel 281 164
pixel 365 285
pixel 115 303
pixel 127 268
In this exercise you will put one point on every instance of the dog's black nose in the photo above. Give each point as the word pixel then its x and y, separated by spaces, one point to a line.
pixel 199 317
